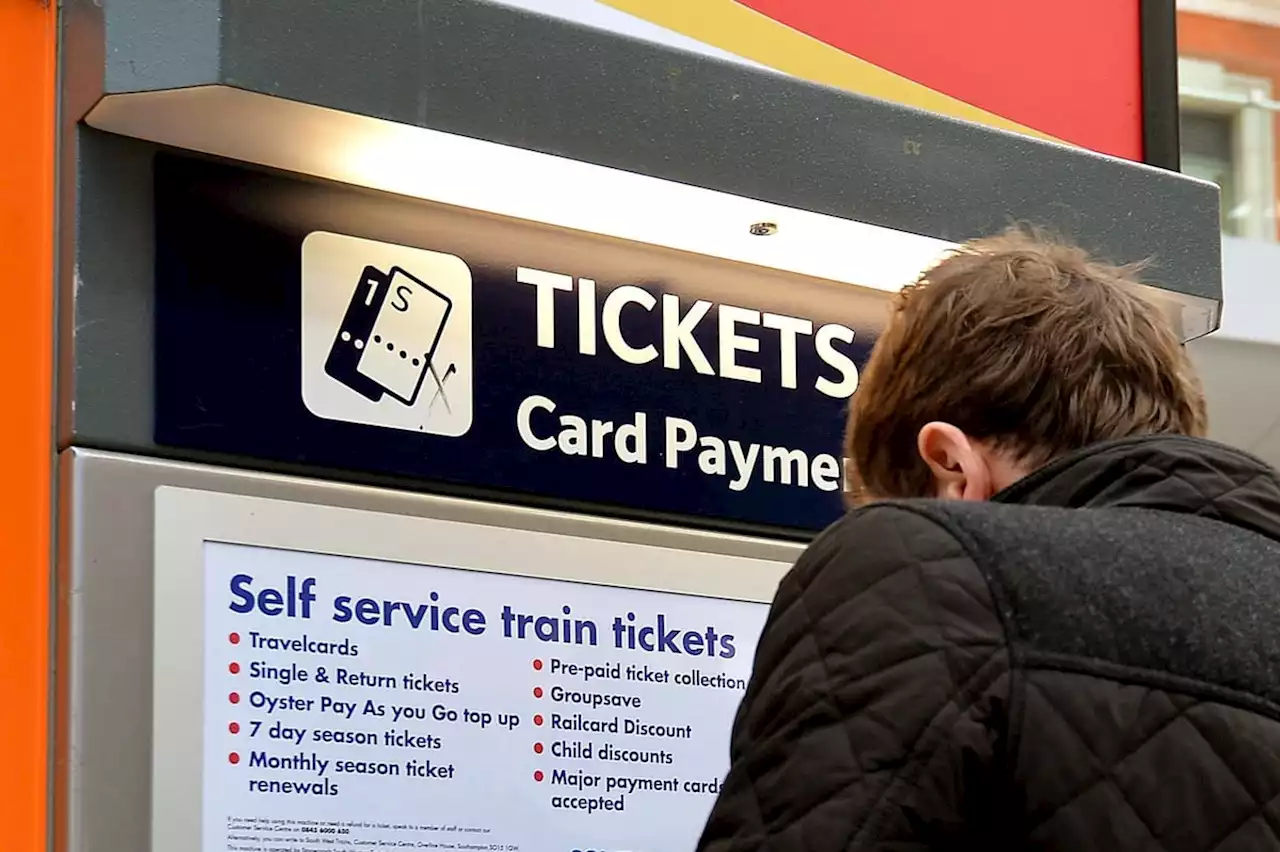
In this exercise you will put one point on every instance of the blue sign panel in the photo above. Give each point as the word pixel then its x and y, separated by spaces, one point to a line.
pixel 316 324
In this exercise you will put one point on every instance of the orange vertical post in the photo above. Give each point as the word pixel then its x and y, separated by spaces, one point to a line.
pixel 28 79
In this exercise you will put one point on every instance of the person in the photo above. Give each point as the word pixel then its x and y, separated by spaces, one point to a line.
pixel 1051 620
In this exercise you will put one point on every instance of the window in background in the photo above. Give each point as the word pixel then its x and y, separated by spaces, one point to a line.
pixel 1228 137
pixel 1208 143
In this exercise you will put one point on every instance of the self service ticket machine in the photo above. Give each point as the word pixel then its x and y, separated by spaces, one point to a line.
pixel 445 388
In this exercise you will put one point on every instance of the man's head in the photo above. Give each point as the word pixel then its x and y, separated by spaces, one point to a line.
pixel 1010 352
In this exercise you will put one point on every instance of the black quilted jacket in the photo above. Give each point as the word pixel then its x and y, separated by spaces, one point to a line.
pixel 1089 662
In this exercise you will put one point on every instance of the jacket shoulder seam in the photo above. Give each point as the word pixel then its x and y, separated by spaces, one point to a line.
pixel 1163 681
pixel 975 554
pixel 1014 695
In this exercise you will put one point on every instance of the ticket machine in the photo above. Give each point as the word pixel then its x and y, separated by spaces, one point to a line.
pixel 444 390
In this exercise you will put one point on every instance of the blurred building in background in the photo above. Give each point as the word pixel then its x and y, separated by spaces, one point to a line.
pixel 1229 93
pixel 1229 73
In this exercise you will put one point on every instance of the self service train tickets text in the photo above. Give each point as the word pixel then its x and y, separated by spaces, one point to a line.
pixel 627 632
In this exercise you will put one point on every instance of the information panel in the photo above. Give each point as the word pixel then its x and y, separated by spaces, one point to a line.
pixel 357 702
pixel 349 701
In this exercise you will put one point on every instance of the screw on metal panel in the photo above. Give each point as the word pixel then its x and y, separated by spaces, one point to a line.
pixel 764 229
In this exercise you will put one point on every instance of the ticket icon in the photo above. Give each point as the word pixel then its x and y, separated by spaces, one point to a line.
pixel 387 340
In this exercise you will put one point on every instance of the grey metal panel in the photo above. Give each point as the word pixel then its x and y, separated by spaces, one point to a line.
pixel 80 63
pixel 111 297
pixel 107 527
pixel 164 45
pixel 506 75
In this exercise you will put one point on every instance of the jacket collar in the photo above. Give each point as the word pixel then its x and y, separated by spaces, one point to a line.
pixel 1166 472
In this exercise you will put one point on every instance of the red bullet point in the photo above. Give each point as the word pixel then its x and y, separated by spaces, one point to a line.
pixel 234 758
pixel 537 692
pixel 537 665
pixel 537 748
pixel 234 727
pixel 235 638
pixel 235 698
pixel 537 720
pixel 537 776
pixel 235 668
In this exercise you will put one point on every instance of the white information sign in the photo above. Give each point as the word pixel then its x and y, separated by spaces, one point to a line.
pixel 351 703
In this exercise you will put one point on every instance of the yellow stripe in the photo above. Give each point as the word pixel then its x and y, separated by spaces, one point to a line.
pixel 732 27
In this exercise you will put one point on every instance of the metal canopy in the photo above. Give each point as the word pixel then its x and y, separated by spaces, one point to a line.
pixel 491 72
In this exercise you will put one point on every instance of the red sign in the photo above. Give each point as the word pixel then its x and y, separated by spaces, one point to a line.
pixel 1069 68
pixel 1100 74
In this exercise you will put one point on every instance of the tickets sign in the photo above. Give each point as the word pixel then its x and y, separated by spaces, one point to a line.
pixel 391 337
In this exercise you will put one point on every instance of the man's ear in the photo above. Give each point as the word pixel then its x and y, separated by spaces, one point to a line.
pixel 959 465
